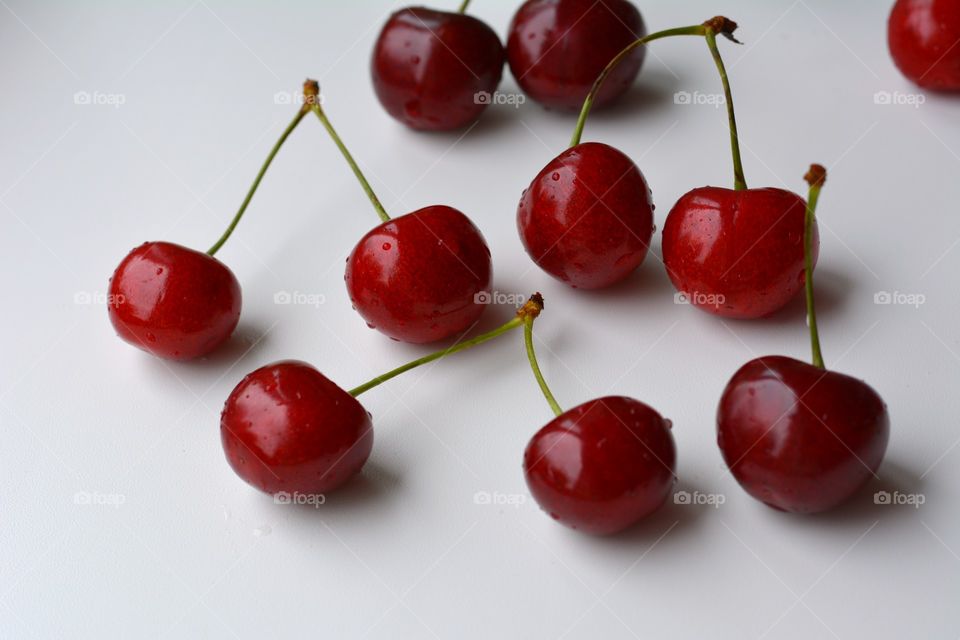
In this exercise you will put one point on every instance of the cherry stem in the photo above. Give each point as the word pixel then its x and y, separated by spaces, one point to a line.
pixel 726 28
pixel 530 310
pixel 308 98
pixel 317 109
pixel 815 178
pixel 463 6
pixel 532 357
pixel 694 30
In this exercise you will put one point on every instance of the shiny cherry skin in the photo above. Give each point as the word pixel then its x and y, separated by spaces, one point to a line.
pixel 557 48
pixel 799 438
pixel 923 35
pixel 421 277
pixel 436 70
pixel 737 254
pixel 287 427
pixel 603 465
pixel 173 302
pixel 587 217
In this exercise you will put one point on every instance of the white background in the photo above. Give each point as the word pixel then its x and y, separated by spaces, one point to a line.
pixel 404 550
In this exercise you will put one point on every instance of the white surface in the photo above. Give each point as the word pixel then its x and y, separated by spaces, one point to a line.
pixel 405 551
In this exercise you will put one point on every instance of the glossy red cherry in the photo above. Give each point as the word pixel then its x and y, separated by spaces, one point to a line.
pixel 172 301
pixel 421 277
pixel 587 217
pixel 737 253
pixel 800 438
pixel 923 36
pixel 603 465
pixel 436 70
pixel 557 48
pixel 287 427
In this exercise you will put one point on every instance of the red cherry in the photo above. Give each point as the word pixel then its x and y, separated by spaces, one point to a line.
pixel 436 70
pixel 923 36
pixel 557 48
pixel 421 277
pixel 287 427
pixel 172 301
pixel 603 465
pixel 737 253
pixel 799 438
pixel 587 217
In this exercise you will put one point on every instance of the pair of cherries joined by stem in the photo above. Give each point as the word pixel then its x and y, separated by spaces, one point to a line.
pixel 438 70
pixel 598 467
pixel 587 218
pixel 795 436
pixel 417 278
pixel 923 37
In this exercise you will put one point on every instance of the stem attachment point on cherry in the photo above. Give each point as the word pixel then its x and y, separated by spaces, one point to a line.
pixel 815 177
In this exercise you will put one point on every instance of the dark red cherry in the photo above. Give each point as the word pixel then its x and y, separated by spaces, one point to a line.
pixel 800 438
pixel 737 254
pixel 421 277
pixel 172 301
pixel 287 427
pixel 587 218
pixel 603 465
pixel 436 70
pixel 557 48
pixel 923 37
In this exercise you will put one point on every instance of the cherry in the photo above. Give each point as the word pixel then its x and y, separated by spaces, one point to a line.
pixel 587 217
pixel 923 36
pixel 288 428
pixel 420 277
pixel 601 466
pixel 557 48
pixel 177 303
pixel 436 70
pixel 795 436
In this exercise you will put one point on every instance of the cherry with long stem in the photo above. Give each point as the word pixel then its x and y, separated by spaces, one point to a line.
pixel 525 317
pixel 815 177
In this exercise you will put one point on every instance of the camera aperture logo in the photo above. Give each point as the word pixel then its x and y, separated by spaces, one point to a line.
pixel 315 500
pixel 496 498
pixel 299 298
pixel 697 498
pixel 510 99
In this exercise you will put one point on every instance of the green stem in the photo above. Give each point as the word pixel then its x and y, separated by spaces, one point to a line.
pixel 530 310
pixel 317 109
pixel 815 178
pixel 256 183
pixel 532 357
pixel 463 6
pixel 695 30
pixel 739 181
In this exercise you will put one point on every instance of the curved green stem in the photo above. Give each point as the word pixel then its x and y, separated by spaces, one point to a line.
pixel 317 109
pixel 532 357
pixel 529 310
pixel 739 181
pixel 695 30
pixel 463 6
pixel 256 183
pixel 815 178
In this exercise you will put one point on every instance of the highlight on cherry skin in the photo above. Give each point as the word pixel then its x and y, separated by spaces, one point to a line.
pixel 796 436
pixel 436 70
pixel 557 48
pixel 922 36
